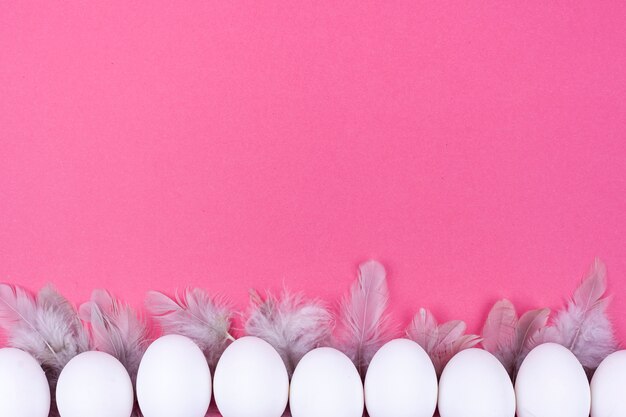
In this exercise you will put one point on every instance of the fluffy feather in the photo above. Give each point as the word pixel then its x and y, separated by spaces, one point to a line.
pixel 528 327
pixel 116 329
pixel 292 325
pixel 508 338
pixel 441 342
pixel 47 327
pixel 499 333
pixel 364 320
pixel 583 326
pixel 196 315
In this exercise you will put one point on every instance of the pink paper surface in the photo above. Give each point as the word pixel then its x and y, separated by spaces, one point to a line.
pixel 478 149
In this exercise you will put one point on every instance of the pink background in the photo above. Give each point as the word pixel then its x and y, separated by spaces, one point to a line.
pixel 478 149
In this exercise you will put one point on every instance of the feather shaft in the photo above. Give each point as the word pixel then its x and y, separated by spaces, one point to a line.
pixel 364 318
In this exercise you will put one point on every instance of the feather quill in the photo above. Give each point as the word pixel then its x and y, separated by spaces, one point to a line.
pixel 364 319
pixel 292 325
pixel 583 326
pixel 196 315
pixel 440 341
pixel 47 327
pixel 509 338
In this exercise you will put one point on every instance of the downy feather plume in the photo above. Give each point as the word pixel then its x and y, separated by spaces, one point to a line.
pixel 509 338
pixel 440 341
pixel 116 329
pixel 196 315
pixel 292 325
pixel 47 327
pixel 364 320
pixel 583 326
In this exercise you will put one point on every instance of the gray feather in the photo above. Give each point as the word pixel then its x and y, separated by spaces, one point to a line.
pixel 116 329
pixel 47 327
pixel 290 324
pixel 583 325
pixel 365 321
pixel 196 315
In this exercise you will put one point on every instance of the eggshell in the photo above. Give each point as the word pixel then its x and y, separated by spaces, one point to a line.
pixel 94 384
pixel 475 384
pixel 608 387
pixel 24 390
pixel 326 383
pixel 251 380
pixel 173 379
pixel 552 383
pixel 401 381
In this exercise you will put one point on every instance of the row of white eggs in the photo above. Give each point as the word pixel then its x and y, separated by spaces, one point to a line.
pixel 251 381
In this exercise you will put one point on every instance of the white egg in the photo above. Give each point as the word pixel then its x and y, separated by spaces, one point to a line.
pixel 608 387
pixel 24 390
pixel 251 380
pixel 475 384
pixel 326 383
pixel 173 379
pixel 401 381
pixel 94 384
pixel 552 383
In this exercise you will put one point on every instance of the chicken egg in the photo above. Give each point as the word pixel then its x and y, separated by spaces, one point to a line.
pixel 608 387
pixel 173 379
pixel 401 381
pixel 475 384
pixel 251 380
pixel 94 384
pixel 24 390
pixel 552 383
pixel 326 383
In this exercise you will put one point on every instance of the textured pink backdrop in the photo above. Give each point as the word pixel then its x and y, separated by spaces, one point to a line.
pixel 478 149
